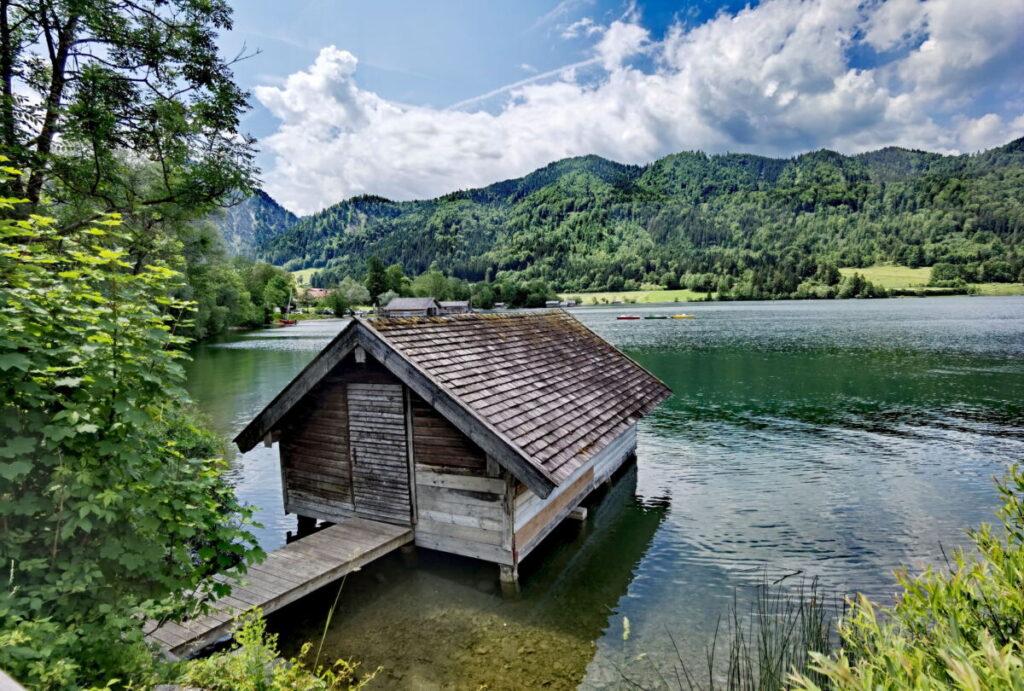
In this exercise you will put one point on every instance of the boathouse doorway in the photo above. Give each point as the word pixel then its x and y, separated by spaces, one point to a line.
pixel 378 444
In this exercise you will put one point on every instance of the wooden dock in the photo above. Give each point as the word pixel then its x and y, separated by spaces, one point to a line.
pixel 286 575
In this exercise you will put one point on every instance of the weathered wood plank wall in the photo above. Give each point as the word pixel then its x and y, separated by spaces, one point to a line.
pixel 461 502
pixel 315 457
pixel 535 518
pixel 316 448
pixel 380 457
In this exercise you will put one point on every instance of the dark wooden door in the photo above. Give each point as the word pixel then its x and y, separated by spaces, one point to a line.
pixel 378 442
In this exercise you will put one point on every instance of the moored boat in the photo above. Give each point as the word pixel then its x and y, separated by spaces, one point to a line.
pixel 287 322
pixel 627 316
pixel 683 316
pixel 655 316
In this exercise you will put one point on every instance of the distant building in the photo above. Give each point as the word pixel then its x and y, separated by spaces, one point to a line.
pixel 567 303
pixel 499 306
pixel 552 303
pixel 455 307
pixel 317 293
pixel 412 307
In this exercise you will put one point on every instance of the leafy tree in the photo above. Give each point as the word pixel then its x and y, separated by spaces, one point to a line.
pixel 112 509
pixel 114 83
pixel 376 281
pixel 355 293
pixel 386 297
pixel 397 281
pixel 337 303
pixel 127 107
pixel 432 283
pixel 483 296
pixel 277 293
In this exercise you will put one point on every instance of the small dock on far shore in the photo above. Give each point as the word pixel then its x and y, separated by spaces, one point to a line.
pixel 286 575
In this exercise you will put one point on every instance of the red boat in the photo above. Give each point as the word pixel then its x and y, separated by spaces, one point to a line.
pixel 627 316
pixel 287 322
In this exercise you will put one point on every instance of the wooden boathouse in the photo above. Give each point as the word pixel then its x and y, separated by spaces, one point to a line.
pixel 479 433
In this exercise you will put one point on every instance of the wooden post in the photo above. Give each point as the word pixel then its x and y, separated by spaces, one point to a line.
pixel 509 577
pixel 408 556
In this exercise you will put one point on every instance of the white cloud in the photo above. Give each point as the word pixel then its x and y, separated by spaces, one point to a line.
pixel 988 131
pixel 774 79
pixel 620 41
pixel 583 27
pixel 561 11
pixel 527 67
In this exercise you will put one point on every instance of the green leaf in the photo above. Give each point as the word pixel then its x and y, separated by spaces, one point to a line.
pixel 15 360
pixel 17 446
pixel 15 469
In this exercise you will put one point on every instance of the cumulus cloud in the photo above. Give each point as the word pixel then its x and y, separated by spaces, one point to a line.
pixel 774 79
pixel 988 131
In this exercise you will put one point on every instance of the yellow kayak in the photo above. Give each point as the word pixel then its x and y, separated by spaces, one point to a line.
pixel 683 316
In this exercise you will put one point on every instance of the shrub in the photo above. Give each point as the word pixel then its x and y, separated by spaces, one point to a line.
pixel 112 508
pixel 254 664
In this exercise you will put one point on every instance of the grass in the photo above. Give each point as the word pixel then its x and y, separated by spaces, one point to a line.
pixel 1000 288
pixel 757 650
pixel 303 276
pixel 638 296
pixel 894 277
pixel 890 276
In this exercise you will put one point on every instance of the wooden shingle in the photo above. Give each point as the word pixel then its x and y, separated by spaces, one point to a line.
pixel 555 389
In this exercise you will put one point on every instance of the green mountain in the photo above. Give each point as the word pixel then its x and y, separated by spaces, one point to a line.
pixel 255 221
pixel 591 224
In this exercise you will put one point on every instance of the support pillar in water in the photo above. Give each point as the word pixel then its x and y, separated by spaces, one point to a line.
pixel 408 556
pixel 509 577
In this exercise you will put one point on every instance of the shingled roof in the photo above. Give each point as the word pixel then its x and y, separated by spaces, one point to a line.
pixel 411 304
pixel 540 391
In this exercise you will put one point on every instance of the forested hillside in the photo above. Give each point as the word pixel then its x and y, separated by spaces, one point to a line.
pixel 752 225
pixel 252 223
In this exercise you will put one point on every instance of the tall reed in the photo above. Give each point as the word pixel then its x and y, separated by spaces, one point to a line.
pixel 762 646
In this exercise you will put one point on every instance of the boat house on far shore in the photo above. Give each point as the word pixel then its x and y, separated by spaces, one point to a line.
pixel 411 307
pixel 480 432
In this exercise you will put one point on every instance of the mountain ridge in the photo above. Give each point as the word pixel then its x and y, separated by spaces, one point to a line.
pixel 686 212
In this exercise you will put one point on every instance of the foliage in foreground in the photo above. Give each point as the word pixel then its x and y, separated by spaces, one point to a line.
pixel 958 629
pixel 254 664
pixel 111 509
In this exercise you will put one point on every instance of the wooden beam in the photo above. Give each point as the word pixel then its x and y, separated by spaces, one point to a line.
pixel 491 440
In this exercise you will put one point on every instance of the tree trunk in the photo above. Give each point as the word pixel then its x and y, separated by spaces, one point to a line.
pixel 54 98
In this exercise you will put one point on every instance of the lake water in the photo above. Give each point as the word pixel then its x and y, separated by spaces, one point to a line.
pixel 831 439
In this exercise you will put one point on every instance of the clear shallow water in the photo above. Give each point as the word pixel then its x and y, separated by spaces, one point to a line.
pixel 835 439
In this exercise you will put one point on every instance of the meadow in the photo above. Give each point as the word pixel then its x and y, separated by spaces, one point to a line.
pixel 888 276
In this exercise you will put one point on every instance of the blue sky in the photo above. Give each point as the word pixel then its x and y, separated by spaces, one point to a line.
pixel 415 99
